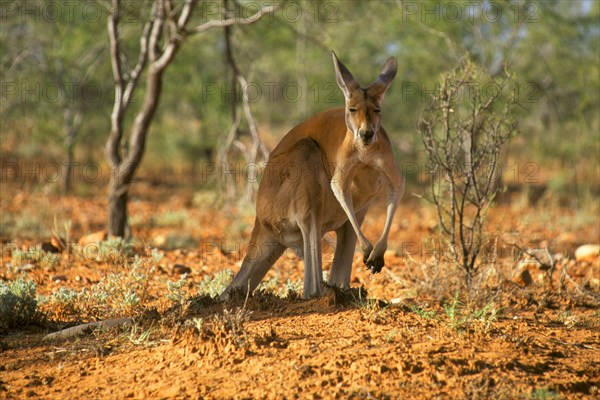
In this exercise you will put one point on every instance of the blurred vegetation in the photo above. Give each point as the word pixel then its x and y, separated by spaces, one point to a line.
pixel 18 304
pixel 55 63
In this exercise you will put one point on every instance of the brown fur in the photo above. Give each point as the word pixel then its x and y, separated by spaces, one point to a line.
pixel 321 177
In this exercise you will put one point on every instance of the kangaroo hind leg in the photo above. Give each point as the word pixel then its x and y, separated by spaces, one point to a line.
pixel 307 207
pixel 263 251
pixel 313 272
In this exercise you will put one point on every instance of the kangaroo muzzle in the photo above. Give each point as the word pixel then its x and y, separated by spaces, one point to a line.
pixel 366 135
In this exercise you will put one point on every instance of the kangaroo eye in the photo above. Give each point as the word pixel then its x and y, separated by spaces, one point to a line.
pixel 352 110
pixel 377 110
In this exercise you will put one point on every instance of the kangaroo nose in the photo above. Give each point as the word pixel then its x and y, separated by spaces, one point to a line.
pixel 366 134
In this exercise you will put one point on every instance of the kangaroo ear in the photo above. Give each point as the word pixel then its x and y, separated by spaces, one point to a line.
pixel 344 78
pixel 383 81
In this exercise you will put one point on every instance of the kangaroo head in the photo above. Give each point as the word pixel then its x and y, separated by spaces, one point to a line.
pixel 363 106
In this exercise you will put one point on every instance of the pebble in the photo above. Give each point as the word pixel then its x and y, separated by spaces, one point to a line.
pixel 587 252
pixel 58 278
pixel 50 248
pixel 25 267
pixel 181 269
pixel 523 277
pixel 159 240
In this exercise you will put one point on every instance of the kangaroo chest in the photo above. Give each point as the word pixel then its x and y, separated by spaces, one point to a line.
pixel 366 184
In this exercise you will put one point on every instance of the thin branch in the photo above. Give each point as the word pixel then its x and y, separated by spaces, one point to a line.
pixel 258 150
pixel 170 18
pixel 440 34
pixel 259 147
pixel 18 60
pixel 232 21
pixel 156 33
pixel 186 13
pixel 116 134
pixel 175 41
pixel 304 35
pixel 113 33
pixel 142 58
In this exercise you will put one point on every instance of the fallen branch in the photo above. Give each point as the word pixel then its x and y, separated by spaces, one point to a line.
pixel 88 328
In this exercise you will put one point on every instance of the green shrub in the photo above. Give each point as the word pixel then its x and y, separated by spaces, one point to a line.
pixel 115 295
pixel 34 255
pixel 18 304
pixel 63 304
pixel 176 290
pixel 172 218
pixel 216 285
pixel 115 250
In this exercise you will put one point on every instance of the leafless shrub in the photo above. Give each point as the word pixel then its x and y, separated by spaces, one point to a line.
pixel 233 322
pixel 464 130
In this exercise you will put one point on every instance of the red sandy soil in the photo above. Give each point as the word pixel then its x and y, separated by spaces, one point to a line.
pixel 542 342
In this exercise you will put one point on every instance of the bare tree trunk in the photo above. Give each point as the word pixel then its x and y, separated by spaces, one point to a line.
pixel 67 169
pixel 163 33
pixel 117 209
pixel 123 169
pixel 122 176
pixel 72 123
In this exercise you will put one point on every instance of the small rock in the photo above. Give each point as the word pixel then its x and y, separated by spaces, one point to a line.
pixel 159 240
pixel 24 267
pixel 160 269
pixel 523 277
pixel 587 252
pixel 526 277
pixel 181 269
pixel 397 300
pixel 58 278
pixel 50 248
pixel 95 237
